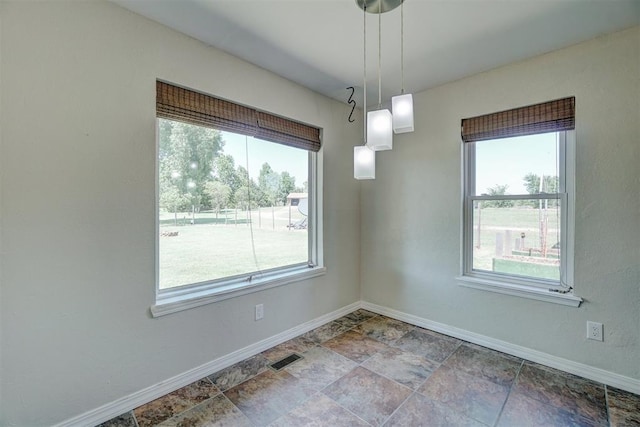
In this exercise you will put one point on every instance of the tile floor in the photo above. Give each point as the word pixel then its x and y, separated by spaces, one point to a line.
pixel 369 370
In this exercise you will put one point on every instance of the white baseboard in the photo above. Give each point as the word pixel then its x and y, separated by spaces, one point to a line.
pixel 596 374
pixel 127 403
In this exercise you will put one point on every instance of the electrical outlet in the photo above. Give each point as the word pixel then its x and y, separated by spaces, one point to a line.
pixel 594 331
pixel 259 311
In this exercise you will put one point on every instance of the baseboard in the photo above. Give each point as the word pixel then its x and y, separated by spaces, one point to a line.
pixel 596 374
pixel 127 403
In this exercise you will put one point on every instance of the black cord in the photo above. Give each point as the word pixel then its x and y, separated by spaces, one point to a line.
pixel 564 291
pixel 351 102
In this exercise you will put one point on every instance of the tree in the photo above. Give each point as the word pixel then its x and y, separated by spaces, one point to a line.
pixel 268 182
pixel 186 156
pixel 247 199
pixel 550 184
pixel 173 200
pixel 532 184
pixel 219 195
pixel 224 170
pixel 286 187
pixel 498 190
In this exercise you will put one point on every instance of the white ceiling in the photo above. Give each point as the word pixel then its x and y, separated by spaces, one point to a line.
pixel 319 43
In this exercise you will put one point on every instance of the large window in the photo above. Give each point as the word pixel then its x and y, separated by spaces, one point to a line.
pixel 237 199
pixel 518 195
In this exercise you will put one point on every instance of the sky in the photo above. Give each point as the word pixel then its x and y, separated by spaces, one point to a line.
pixel 508 160
pixel 280 157
pixel 498 162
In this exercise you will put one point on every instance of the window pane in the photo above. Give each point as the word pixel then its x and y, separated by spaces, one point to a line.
pixel 519 237
pixel 515 165
pixel 218 193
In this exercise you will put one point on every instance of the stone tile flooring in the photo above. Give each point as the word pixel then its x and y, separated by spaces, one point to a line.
pixel 369 370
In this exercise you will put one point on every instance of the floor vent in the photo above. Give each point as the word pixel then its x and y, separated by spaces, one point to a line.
pixel 285 362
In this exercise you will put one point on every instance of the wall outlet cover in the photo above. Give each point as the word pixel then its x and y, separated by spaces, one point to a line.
pixel 594 331
pixel 259 311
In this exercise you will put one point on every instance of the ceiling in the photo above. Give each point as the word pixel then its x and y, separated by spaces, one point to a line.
pixel 319 43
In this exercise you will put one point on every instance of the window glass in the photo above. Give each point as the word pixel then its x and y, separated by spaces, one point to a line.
pixel 514 208
pixel 228 205
pixel 520 238
pixel 514 165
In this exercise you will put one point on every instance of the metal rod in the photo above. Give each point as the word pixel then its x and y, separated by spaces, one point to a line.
pixel 402 47
pixel 379 59
pixel 364 107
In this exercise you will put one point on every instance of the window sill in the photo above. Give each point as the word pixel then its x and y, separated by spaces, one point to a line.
pixel 174 302
pixel 522 291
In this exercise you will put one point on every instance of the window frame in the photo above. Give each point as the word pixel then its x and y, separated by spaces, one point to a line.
pixel 560 292
pixel 188 296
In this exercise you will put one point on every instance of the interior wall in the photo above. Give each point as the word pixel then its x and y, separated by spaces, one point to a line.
pixel 411 213
pixel 77 182
pixel 1 210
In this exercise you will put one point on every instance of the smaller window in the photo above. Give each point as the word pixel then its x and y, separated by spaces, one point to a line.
pixel 518 194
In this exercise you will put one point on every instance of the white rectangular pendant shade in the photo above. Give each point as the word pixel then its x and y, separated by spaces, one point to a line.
pixel 379 130
pixel 364 163
pixel 402 106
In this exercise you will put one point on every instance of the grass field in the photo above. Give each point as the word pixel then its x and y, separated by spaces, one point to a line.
pixel 218 246
pixel 496 221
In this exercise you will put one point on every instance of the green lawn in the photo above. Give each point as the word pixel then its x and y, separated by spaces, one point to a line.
pixel 215 248
pixel 218 246
pixel 495 221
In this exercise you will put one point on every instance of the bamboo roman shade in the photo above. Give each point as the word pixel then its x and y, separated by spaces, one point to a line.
pixel 552 116
pixel 178 103
pixel 278 129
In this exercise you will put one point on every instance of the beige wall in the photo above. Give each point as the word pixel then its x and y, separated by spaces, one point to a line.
pixel 77 209
pixel 410 228
pixel 77 194
pixel 1 222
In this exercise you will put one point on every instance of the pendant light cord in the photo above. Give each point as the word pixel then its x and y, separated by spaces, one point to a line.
pixel 364 107
pixel 402 47
pixel 379 58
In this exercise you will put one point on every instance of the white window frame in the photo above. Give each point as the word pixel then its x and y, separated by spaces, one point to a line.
pixel 184 297
pixel 540 289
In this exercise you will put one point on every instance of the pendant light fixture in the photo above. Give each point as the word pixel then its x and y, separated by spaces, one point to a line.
pixel 402 105
pixel 364 158
pixel 364 162
pixel 380 125
pixel 379 122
